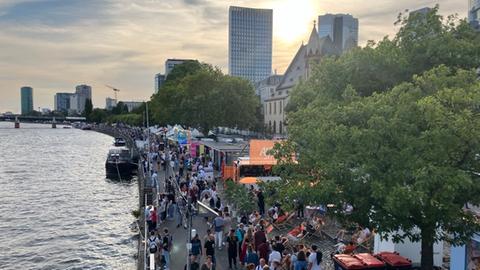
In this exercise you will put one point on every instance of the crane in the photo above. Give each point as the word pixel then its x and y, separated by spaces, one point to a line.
pixel 115 90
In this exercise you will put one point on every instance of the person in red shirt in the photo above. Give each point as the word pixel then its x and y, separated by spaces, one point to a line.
pixel 153 220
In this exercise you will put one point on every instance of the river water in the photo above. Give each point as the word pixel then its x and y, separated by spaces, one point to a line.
pixel 57 210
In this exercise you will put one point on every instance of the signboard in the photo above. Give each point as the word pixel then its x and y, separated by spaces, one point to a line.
pixel 259 152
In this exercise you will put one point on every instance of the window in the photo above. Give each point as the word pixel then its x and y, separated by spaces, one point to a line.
pixel 274 126
pixel 280 127
pixel 274 107
pixel 280 111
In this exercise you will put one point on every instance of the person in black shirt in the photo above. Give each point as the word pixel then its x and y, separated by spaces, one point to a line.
pixel 232 249
pixel 209 246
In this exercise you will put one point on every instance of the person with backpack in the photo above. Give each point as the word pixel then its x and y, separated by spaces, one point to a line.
pixel 167 243
pixel 315 259
pixel 153 243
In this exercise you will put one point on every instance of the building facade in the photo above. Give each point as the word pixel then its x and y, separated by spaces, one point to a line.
pixel 110 103
pixel 169 65
pixel 341 28
pixel 78 100
pixel 265 88
pixel 474 14
pixel 26 94
pixel 300 69
pixel 132 104
pixel 250 43
pixel 62 102
pixel 159 81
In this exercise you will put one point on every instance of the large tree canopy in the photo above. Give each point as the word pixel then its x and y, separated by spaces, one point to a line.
pixel 394 130
pixel 202 97
pixel 423 42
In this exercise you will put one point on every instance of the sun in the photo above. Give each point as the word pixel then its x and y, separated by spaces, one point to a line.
pixel 293 19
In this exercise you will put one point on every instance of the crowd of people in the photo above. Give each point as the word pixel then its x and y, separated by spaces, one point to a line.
pixel 247 239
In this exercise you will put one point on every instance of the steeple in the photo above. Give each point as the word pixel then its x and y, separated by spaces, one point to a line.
pixel 313 41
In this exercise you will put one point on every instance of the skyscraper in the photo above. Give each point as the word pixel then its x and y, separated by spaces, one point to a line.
pixel 62 102
pixel 159 81
pixel 250 43
pixel 78 100
pixel 341 28
pixel 474 13
pixel 26 93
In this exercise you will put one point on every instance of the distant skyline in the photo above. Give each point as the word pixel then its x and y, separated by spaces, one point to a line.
pixel 54 45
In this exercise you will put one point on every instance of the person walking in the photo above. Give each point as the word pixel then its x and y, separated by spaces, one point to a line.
pixel 301 262
pixel 208 265
pixel 261 265
pixel 232 248
pixel 218 224
pixel 315 259
pixel 167 243
pixel 209 246
pixel 196 246
pixel 252 257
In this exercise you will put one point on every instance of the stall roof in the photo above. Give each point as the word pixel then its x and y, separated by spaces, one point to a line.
pixel 226 147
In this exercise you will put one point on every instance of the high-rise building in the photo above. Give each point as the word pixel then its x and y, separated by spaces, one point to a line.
pixel 62 102
pixel 171 63
pixel 82 93
pixel 250 43
pixel 110 103
pixel 474 13
pixel 26 93
pixel 341 28
pixel 159 81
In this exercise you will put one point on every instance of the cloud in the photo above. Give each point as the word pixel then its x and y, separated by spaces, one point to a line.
pixel 54 45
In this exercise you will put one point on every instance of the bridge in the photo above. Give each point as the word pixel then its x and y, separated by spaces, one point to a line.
pixel 26 118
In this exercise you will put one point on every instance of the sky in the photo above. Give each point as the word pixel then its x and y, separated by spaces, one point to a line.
pixel 54 45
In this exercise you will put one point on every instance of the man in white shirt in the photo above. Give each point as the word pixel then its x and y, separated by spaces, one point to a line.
pixel 274 256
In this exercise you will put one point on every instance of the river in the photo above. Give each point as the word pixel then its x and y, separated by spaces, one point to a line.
pixel 57 210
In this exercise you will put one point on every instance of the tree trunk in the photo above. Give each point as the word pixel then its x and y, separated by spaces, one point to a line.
pixel 427 248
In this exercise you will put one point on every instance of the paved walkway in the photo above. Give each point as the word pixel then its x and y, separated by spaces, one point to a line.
pixel 178 254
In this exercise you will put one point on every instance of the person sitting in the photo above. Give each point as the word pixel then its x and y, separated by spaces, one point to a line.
pixel 362 235
pixel 350 248
pixel 296 233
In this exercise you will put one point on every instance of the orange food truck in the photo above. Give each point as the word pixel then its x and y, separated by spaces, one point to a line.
pixel 258 164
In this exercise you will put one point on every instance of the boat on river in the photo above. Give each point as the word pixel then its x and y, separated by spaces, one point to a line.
pixel 119 142
pixel 119 163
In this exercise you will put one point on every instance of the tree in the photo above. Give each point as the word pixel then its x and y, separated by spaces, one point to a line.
pixel 98 116
pixel 206 98
pixel 121 108
pixel 88 108
pixel 406 159
pixel 422 43
pixel 393 129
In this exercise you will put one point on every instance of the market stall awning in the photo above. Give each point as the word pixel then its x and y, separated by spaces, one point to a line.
pixel 248 180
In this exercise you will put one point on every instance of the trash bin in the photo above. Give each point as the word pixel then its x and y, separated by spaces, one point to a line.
pixel 394 261
pixel 347 262
pixel 370 262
